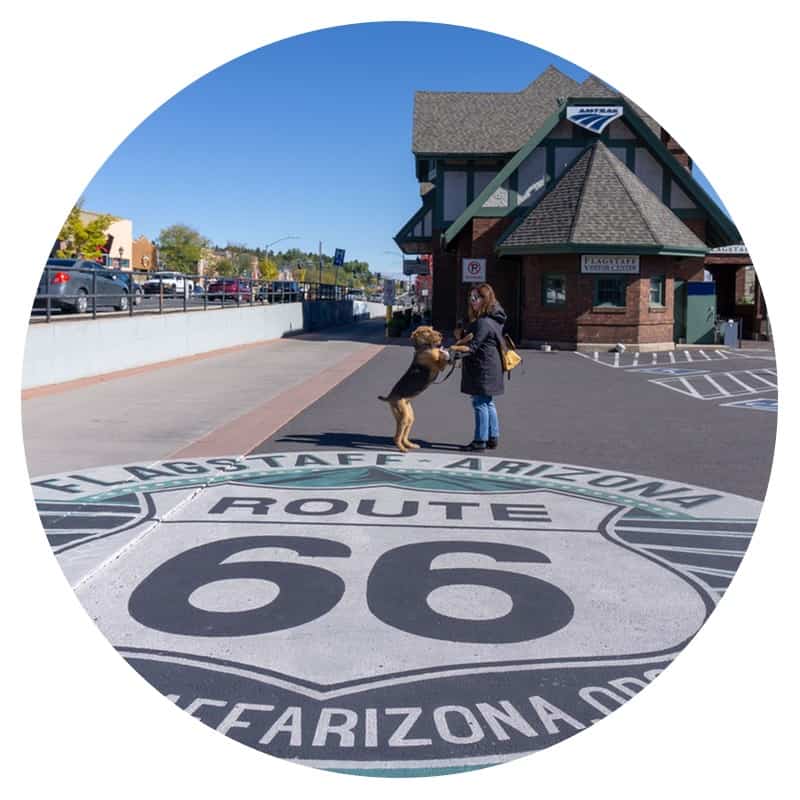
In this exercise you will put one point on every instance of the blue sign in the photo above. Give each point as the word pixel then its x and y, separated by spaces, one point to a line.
pixel 338 258
pixel 594 118
pixel 760 404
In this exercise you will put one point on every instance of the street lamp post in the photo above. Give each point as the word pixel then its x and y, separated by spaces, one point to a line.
pixel 282 239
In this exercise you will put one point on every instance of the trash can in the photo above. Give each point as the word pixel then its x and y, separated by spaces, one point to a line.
pixel 730 334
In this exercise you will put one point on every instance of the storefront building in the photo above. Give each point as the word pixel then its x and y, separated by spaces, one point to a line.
pixel 575 205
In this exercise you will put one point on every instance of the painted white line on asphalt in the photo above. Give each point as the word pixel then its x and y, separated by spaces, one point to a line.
pixel 690 389
pixel 720 573
pixel 616 359
pixel 755 375
pixel 723 392
pixel 741 383
pixel 682 532
pixel 688 355
pixel 671 357
pixel 698 550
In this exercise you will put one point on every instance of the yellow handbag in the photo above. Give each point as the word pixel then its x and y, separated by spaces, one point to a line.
pixel 511 358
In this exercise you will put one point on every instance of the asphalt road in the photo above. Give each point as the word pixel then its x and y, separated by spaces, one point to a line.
pixel 564 408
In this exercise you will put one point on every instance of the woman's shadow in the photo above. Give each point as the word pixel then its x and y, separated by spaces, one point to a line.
pixel 361 441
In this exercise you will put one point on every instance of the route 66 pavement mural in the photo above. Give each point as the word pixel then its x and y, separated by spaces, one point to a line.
pixel 393 614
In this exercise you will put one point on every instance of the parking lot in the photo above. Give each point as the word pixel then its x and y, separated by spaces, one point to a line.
pixel 744 379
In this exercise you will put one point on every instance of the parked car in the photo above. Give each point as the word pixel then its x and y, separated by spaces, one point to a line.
pixel 174 283
pixel 134 289
pixel 70 283
pixel 235 289
pixel 280 292
pixel 355 294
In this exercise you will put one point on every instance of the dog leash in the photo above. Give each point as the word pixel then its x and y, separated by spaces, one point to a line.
pixel 452 367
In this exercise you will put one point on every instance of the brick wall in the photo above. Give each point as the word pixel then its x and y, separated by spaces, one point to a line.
pixel 476 240
pixel 144 254
pixel 578 321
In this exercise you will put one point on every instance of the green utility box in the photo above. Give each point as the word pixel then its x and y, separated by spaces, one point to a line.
pixel 701 311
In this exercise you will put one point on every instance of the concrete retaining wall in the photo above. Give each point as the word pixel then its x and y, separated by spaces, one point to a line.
pixel 63 351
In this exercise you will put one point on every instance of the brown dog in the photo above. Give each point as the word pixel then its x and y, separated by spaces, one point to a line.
pixel 429 361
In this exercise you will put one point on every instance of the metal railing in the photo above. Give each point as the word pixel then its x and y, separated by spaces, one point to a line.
pixel 92 291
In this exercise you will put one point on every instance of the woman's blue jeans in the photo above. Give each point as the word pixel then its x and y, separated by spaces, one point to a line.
pixel 487 425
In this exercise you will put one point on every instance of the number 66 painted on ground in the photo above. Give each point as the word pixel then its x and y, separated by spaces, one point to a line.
pixel 397 590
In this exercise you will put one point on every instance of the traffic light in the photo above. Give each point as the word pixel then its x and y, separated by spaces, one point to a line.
pixel 377 275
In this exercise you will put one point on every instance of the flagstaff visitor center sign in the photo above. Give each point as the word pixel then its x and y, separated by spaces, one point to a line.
pixel 385 612
pixel 615 265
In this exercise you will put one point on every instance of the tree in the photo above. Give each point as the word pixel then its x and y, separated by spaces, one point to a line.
pixel 268 268
pixel 180 248
pixel 79 239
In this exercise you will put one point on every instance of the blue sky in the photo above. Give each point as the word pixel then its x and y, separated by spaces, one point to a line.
pixel 308 137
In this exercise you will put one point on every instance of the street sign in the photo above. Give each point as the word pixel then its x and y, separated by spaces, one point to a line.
pixel 338 257
pixel 388 292
pixel 415 266
pixel 473 270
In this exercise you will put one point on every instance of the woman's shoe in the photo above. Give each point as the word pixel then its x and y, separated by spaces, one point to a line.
pixel 492 443
pixel 476 445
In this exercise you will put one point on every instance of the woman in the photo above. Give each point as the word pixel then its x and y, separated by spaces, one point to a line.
pixel 482 367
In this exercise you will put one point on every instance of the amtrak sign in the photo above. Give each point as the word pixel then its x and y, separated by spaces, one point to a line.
pixel 593 118
pixel 370 610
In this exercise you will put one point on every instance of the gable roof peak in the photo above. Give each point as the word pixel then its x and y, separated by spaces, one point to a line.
pixel 599 202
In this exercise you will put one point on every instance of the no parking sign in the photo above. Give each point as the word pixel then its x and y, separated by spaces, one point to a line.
pixel 473 270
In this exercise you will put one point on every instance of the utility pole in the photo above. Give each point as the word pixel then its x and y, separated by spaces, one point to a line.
pixel 320 263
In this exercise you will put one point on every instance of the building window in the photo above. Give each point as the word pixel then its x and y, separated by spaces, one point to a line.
pixel 657 284
pixel 609 291
pixel 554 290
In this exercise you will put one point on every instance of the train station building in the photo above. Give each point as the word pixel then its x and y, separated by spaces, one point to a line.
pixel 579 209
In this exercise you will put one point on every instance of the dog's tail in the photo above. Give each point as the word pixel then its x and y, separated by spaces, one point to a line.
pixel 385 399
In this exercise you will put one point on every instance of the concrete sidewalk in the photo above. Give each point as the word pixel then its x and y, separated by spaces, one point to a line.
pixel 225 402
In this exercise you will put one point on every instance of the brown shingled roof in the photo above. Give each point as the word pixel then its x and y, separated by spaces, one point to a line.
pixel 486 122
pixel 498 122
pixel 598 201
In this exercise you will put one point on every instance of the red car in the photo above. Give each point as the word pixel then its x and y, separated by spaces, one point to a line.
pixel 236 289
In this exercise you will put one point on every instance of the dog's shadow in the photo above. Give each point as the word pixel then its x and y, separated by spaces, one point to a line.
pixel 360 441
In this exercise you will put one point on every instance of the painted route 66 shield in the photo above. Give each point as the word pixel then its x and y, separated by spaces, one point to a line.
pixel 377 611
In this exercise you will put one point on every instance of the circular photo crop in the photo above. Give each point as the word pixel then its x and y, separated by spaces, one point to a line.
pixel 379 409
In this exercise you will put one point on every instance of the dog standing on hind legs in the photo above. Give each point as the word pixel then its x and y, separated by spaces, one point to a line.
pixel 429 361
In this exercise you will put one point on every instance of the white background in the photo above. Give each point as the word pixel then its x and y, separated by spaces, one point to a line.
pixel 77 722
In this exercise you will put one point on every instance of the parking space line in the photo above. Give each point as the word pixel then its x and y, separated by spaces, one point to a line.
pixel 691 390
pixel 763 380
pixel 741 383
pixel 723 392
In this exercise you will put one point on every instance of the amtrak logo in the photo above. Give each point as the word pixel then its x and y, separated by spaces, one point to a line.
pixel 593 118
pixel 389 612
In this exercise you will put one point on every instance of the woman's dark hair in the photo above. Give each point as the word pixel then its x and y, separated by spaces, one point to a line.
pixel 488 301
